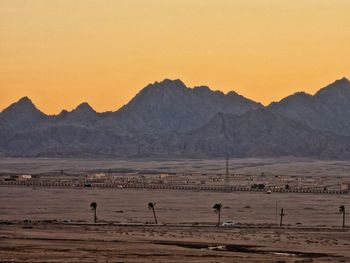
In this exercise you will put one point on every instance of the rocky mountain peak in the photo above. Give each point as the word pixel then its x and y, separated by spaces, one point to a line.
pixel 22 114
pixel 25 100
pixel 22 106
pixel 84 108
pixel 339 87
pixel 294 99
pixel 167 84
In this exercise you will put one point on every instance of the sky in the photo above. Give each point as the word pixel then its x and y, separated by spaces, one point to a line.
pixel 64 52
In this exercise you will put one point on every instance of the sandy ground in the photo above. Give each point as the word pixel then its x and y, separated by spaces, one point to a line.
pixel 187 229
pixel 88 243
pixel 172 206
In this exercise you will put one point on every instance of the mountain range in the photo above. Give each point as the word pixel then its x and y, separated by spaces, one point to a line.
pixel 168 119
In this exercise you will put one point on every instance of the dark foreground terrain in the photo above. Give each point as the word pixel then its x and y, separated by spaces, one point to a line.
pixel 40 242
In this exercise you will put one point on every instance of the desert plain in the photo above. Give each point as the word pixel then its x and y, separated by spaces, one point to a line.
pixel 56 224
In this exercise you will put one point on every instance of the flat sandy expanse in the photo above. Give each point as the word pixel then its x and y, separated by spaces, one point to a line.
pixel 172 206
pixel 187 231
pixel 252 166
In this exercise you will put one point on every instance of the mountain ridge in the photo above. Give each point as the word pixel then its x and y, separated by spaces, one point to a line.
pixel 342 81
pixel 167 118
pixel 326 110
pixel 155 85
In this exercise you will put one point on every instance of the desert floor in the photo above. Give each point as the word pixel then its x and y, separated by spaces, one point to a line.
pixel 87 243
pixel 275 166
pixel 30 228
pixel 187 231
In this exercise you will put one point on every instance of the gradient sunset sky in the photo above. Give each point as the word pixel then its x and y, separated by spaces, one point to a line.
pixel 64 52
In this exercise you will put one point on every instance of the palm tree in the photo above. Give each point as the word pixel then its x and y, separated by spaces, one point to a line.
pixel 342 211
pixel 151 206
pixel 282 214
pixel 217 209
pixel 93 206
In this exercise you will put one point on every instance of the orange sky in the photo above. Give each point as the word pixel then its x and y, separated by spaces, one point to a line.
pixel 63 52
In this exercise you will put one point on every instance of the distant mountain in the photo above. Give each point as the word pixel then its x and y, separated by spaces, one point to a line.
pixel 22 114
pixel 168 119
pixel 83 115
pixel 264 134
pixel 327 110
pixel 68 141
pixel 170 106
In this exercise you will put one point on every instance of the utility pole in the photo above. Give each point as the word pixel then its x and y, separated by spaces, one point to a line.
pixel 281 216
pixel 276 214
pixel 227 175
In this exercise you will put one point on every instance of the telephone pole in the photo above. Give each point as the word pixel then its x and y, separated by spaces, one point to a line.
pixel 281 215
pixel 227 179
